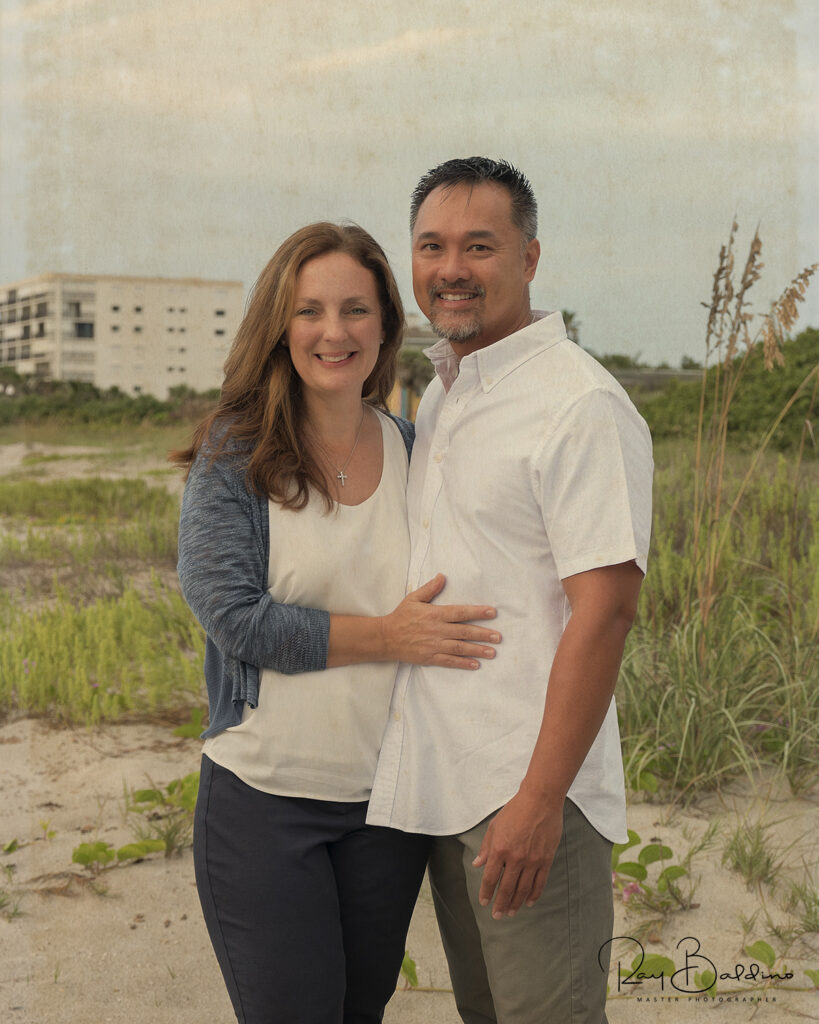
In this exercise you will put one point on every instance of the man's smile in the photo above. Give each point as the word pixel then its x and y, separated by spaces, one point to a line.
pixel 453 295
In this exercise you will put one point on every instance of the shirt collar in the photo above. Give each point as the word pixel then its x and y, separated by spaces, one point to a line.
pixel 501 357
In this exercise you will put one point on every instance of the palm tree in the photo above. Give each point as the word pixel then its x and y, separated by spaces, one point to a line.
pixel 572 326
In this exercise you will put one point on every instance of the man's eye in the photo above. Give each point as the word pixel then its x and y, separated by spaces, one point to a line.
pixel 478 247
pixel 430 247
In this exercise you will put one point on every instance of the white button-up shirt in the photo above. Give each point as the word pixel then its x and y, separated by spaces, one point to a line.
pixel 530 465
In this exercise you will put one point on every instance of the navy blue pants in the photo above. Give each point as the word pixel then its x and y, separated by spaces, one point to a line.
pixel 307 907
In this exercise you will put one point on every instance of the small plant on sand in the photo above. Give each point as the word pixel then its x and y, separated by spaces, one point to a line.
pixel 748 851
pixel 164 814
pixel 763 953
pixel 802 900
pixel 10 898
pixel 100 856
pixel 409 971
pixel 653 883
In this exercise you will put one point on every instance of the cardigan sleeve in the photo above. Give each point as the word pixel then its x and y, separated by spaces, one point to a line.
pixel 222 570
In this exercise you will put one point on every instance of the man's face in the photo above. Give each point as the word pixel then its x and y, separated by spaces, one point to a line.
pixel 471 265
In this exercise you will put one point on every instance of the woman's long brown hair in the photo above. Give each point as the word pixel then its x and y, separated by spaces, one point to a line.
pixel 260 407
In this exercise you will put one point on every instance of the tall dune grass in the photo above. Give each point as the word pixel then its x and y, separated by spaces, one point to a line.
pixel 721 677
pixel 88 663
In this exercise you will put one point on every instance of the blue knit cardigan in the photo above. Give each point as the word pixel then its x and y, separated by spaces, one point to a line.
pixel 224 551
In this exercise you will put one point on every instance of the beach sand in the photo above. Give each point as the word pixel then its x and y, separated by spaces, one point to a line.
pixel 132 946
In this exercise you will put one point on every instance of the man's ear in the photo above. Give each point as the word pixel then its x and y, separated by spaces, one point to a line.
pixel 530 259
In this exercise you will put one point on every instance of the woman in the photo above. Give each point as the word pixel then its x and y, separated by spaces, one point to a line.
pixel 295 502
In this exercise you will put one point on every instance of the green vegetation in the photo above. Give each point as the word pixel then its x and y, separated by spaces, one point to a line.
pixel 164 814
pixel 10 896
pixel 674 411
pixel 654 883
pixel 720 676
pixel 88 663
pixel 749 852
pixel 86 523
pixel 80 403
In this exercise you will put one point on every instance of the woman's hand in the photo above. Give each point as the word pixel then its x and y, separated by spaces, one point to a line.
pixel 430 634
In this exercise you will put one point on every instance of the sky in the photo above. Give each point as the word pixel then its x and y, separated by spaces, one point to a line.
pixel 181 138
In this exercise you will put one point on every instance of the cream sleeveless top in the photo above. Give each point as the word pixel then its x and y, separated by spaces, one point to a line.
pixel 317 734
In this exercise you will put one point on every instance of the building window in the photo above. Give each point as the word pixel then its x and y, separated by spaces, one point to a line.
pixel 42 309
pixel 137 329
pixel 27 331
pixel 115 328
pixel 170 309
pixel 219 332
pixel 41 330
pixel 25 352
pixel 183 309
pixel 137 309
pixel 181 330
pixel 26 314
pixel 219 312
pixel 12 353
pixel 171 330
pixel 83 330
pixel 72 309
pixel 115 309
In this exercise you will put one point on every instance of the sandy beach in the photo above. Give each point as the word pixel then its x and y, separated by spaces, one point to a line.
pixel 131 945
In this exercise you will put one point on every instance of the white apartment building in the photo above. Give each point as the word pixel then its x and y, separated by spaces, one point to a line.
pixel 140 334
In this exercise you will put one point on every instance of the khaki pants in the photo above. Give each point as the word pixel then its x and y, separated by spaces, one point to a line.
pixel 541 966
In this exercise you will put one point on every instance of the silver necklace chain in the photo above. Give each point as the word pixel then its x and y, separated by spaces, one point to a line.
pixel 341 476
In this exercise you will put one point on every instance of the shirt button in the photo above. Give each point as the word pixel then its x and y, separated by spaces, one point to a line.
pixel 438 457
pixel 426 524
pixel 397 716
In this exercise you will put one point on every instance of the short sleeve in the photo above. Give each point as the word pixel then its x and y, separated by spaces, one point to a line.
pixel 593 477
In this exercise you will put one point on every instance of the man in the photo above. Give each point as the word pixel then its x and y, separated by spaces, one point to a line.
pixel 530 489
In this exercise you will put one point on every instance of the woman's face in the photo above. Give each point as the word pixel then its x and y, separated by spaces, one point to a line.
pixel 335 330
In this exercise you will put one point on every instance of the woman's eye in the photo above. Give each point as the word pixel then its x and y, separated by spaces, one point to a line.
pixel 305 312
pixel 359 310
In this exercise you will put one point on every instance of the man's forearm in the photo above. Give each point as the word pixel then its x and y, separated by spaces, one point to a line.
pixel 521 839
pixel 581 685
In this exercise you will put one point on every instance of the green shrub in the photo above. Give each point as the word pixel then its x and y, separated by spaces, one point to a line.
pixel 104 660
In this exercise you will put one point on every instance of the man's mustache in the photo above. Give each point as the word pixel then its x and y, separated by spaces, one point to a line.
pixel 456 286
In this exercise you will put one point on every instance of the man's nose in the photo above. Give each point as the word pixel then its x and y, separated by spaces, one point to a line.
pixel 452 267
